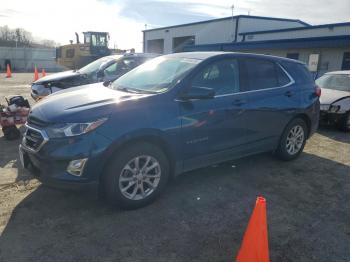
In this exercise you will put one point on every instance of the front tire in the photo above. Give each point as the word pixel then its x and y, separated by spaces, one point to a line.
pixel 293 140
pixel 136 176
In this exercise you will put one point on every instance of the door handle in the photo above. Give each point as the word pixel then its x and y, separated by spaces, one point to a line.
pixel 239 102
pixel 288 93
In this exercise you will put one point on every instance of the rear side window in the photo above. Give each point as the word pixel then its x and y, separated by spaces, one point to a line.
pixel 257 74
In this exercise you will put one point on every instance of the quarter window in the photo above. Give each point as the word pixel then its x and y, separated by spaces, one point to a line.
pixel 222 76
pixel 283 79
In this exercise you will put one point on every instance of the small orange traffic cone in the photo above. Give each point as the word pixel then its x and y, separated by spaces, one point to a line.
pixel 8 71
pixel 36 74
pixel 255 245
pixel 43 72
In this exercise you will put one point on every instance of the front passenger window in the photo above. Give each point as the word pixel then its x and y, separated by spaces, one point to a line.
pixel 222 76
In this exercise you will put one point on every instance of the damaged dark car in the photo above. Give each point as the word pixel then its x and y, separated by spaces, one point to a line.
pixel 106 69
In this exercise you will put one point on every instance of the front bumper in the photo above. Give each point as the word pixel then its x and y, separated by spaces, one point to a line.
pixel 327 117
pixel 50 163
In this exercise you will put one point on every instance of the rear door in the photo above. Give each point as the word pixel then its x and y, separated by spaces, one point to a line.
pixel 272 100
pixel 213 128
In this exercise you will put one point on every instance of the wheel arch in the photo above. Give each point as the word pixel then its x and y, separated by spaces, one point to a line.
pixel 153 137
pixel 307 121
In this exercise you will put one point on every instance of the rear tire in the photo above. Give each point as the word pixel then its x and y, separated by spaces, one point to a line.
pixel 136 176
pixel 293 140
pixel 344 125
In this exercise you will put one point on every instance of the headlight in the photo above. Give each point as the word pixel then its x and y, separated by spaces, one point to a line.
pixel 73 129
pixel 334 108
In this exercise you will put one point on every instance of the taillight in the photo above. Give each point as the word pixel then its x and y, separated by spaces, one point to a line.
pixel 318 91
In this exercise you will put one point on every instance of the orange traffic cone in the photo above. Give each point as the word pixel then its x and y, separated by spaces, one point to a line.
pixel 8 71
pixel 43 72
pixel 255 246
pixel 36 74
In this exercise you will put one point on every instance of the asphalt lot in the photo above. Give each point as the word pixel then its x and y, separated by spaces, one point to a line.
pixel 201 216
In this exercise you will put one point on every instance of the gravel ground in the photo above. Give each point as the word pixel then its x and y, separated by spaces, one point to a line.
pixel 201 216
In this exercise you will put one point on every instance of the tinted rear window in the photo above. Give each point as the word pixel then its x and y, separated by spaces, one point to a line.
pixel 259 74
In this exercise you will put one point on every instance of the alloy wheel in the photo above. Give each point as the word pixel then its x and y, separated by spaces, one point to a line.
pixel 140 177
pixel 295 140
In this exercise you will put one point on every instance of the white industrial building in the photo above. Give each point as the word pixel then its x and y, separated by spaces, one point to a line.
pixel 324 47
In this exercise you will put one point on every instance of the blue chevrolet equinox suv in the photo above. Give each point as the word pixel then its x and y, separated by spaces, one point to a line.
pixel 173 114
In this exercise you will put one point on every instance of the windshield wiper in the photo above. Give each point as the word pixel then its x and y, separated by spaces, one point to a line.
pixel 137 91
pixel 128 90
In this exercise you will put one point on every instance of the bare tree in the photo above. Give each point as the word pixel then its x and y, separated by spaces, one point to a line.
pixel 13 37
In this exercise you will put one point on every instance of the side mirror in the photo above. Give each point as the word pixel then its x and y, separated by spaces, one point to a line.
pixel 107 83
pixel 197 92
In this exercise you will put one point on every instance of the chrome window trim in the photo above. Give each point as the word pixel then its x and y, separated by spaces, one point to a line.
pixel 42 133
pixel 292 82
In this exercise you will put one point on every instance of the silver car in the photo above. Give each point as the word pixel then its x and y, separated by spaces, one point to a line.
pixel 335 98
pixel 105 69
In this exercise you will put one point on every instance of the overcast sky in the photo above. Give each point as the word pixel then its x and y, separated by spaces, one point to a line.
pixel 124 19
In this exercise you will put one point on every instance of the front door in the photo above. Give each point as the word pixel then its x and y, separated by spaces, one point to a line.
pixel 213 128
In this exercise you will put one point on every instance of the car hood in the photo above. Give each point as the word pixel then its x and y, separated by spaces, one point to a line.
pixel 82 104
pixel 329 96
pixel 57 77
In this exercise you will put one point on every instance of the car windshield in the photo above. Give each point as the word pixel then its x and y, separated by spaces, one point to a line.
pixel 335 82
pixel 156 75
pixel 94 66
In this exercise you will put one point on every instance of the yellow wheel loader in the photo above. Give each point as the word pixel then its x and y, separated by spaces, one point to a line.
pixel 75 56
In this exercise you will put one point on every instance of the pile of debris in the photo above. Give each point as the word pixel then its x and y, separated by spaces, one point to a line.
pixel 15 113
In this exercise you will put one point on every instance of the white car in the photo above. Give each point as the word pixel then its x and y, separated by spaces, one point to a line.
pixel 335 98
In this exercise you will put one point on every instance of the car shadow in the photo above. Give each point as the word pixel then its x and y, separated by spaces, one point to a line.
pixel 201 216
pixel 9 158
pixel 333 133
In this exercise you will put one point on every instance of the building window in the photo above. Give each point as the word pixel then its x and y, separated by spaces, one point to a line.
pixel 346 61
pixel 180 42
pixel 294 56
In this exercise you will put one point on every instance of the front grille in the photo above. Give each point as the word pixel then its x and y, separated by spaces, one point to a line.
pixel 32 120
pixel 34 139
